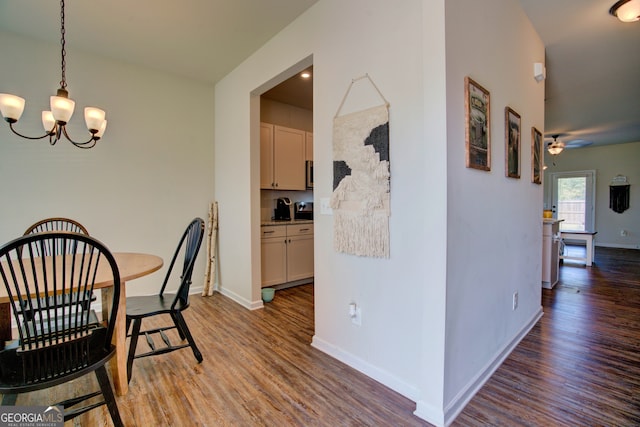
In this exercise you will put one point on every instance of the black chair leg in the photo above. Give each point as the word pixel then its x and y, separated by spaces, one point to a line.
pixel 109 397
pixel 137 323
pixel 182 326
pixel 9 399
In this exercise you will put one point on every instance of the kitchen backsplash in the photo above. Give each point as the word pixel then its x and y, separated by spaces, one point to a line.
pixel 268 201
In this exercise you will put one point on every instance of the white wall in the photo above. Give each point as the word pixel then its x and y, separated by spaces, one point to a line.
pixel 462 241
pixel 608 161
pixel 347 40
pixel 145 180
pixel 494 222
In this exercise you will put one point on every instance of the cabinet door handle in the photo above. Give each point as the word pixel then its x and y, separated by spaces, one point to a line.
pixel 268 232
pixel 304 229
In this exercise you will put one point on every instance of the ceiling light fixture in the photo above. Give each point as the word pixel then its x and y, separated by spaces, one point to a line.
pixel 55 121
pixel 626 10
pixel 554 148
pixel 305 74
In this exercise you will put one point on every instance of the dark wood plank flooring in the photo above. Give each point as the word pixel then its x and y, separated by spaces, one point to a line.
pixel 579 366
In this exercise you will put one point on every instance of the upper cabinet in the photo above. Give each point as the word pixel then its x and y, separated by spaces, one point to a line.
pixel 308 151
pixel 282 157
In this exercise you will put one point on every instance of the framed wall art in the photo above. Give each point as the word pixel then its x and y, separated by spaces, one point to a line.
pixel 477 125
pixel 536 156
pixel 512 143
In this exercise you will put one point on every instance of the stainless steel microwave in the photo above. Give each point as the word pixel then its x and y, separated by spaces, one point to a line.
pixel 309 174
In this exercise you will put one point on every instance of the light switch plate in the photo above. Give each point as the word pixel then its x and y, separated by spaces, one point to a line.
pixel 325 208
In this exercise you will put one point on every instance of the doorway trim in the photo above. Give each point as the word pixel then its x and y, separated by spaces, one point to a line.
pixel 254 123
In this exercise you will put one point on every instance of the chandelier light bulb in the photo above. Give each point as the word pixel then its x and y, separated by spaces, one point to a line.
pixel 101 130
pixel 11 107
pixel 48 122
pixel 62 109
pixel 93 117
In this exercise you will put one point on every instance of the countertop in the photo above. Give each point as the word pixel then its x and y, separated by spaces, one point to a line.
pixel 292 222
pixel 551 220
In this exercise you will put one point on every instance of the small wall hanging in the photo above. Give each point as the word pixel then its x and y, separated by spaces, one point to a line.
pixel 361 173
pixel 619 194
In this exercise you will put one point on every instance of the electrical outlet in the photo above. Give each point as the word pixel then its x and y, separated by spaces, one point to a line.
pixel 515 300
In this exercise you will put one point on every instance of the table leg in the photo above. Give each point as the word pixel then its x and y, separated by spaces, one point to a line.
pixel 589 239
pixel 5 323
pixel 118 365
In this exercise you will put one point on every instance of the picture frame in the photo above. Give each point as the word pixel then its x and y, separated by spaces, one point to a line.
pixel 536 156
pixel 477 125
pixel 512 131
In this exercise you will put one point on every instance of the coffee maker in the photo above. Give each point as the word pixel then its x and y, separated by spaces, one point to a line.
pixel 282 212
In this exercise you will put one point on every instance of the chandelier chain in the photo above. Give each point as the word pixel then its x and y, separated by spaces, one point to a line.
pixel 63 52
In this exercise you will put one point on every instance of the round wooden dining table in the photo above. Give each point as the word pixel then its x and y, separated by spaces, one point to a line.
pixel 131 266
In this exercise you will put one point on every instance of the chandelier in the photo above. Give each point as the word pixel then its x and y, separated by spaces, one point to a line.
pixel 55 121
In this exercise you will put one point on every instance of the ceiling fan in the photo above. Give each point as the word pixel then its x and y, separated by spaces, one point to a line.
pixel 555 147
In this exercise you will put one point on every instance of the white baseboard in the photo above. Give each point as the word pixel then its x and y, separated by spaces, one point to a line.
pixel 251 305
pixel 457 404
pixel 366 368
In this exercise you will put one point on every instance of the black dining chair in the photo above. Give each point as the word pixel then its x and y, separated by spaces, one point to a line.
pixel 61 340
pixel 140 307
pixel 55 224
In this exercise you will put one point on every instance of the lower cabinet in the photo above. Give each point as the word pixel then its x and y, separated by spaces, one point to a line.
pixel 287 253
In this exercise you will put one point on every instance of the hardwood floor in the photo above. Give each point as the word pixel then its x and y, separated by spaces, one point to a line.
pixel 579 366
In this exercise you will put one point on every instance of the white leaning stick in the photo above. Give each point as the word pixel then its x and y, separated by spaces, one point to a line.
pixel 210 272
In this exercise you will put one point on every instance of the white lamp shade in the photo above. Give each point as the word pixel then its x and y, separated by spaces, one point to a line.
pixel 93 117
pixel 11 106
pixel 62 108
pixel 629 12
pixel 48 122
pixel 555 148
pixel 101 129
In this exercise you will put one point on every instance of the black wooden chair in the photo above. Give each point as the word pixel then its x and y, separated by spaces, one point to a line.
pixel 140 307
pixel 55 224
pixel 58 342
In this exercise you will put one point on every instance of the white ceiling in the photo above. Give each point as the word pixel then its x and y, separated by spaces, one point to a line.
pixel 593 71
pixel 199 39
pixel 592 59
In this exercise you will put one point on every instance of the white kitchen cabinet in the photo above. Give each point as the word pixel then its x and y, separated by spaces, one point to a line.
pixel 299 252
pixel 274 255
pixel 282 156
pixel 550 252
pixel 308 150
pixel 287 253
pixel 266 155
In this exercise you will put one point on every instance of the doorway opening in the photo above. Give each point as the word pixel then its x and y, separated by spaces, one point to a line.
pixel 573 200
pixel 282 110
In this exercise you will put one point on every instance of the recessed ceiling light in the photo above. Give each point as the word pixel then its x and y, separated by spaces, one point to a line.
pixel 305 74
pixel 626 10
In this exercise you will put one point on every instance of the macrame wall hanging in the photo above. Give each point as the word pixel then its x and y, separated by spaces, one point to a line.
pixel 361 172
pixel 619 194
